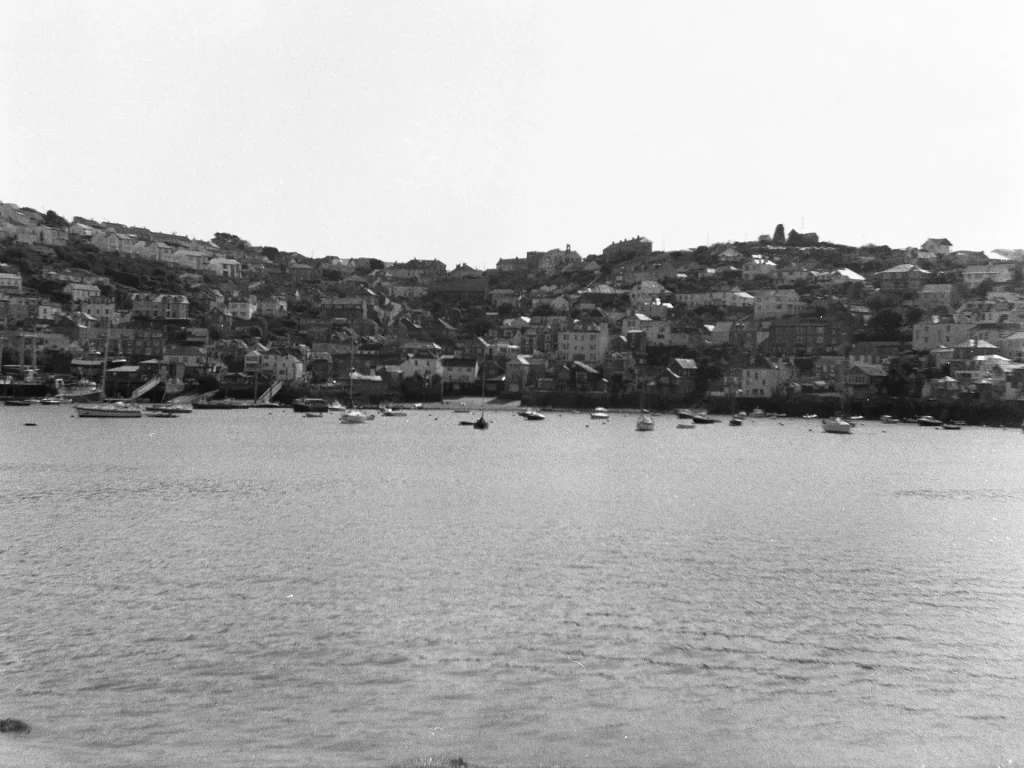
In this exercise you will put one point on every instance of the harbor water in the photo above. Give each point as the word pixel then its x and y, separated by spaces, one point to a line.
pixel 255 588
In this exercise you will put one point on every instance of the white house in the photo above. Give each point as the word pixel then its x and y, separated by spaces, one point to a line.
pixel 765 381
pixel 586 343
pixel 283 367
pixel 645 291
pixel 275 306
pixel 424 364
pixel 758 266
pixel 975 275
pixel 10 282
pixel 932 332
pixel 458 372
pixel 82 291
pixel 226 268
pixel 776 303
pixel 242 309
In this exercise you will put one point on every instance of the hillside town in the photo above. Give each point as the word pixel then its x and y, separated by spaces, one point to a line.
pixel 785 319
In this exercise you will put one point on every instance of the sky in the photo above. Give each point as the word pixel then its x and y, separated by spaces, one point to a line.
pixel 478 130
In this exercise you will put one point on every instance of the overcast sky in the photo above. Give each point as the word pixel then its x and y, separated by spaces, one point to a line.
pixel 472 131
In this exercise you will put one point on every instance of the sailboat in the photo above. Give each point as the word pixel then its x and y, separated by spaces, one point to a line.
pixel 646 422
pixel 736 419
pixel 838 424
pixel 352 415
pixel 104 410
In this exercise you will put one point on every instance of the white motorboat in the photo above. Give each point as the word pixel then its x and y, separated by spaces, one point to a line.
pixel 599 413
pixel 116 410
pixel 175 408
pixel 645 423
pixel 836 426
pixel 353 416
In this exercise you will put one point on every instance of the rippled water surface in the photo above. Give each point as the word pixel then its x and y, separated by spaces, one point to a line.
pixel 255 588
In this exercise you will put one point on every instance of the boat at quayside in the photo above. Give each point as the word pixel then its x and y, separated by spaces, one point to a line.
pixel 114 410
pixel 224 404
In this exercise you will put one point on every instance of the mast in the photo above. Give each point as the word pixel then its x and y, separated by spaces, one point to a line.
pixel 351 370
pixel 103 368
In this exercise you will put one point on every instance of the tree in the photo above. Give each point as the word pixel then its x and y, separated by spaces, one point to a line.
pixel 779 238
pixel 886 324
pixel 1016 278
pixel 981 291
pixel 227 241
pixel 52 219
pixel 914 314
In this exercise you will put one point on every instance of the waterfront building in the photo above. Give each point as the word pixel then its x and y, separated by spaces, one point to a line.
pixel 764 381
pixel 459 372
pixel 583 341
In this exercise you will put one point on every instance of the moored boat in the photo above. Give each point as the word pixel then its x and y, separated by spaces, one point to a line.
pixel 703 418
pixel 174 408
pixel 310 405
pixel 224 404
pixel 645 423
pixel 836 426
pixel 599 413
pixel 928 421
pixel 114 410
pixel 353 416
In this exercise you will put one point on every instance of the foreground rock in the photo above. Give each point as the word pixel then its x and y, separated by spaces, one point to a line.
pixel 11 725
